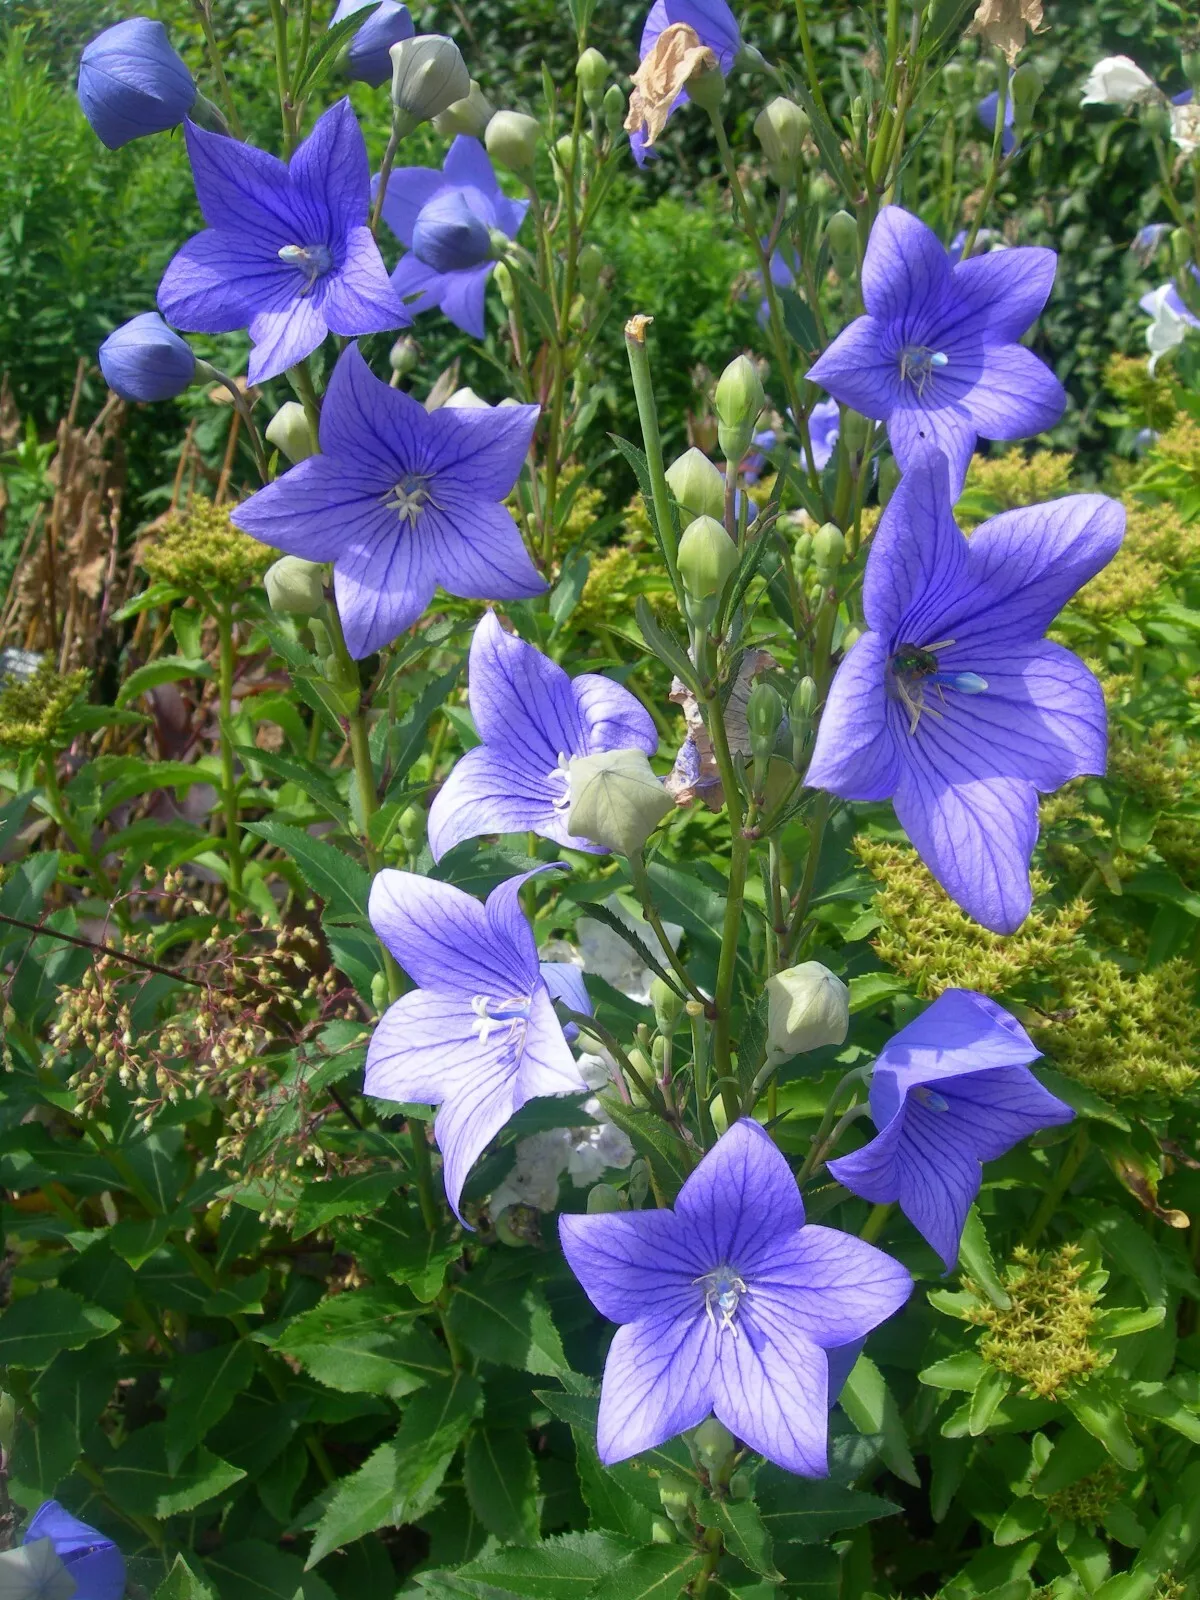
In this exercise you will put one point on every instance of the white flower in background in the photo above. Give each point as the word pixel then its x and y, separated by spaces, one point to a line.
pixel 1116 81
pixel 1171 320
pixel 1185 127
pixel 606 955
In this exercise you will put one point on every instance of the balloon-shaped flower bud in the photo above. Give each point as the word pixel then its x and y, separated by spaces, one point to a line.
pixel 507 285
pixel 985 76
pixel 807 1007
pixel 707 559
pixel 614 108
pixel 828 551
pixel 469 116
pixel 131 82
pixel 588 269
pixel 714 1447
pixel 1025 87
pixel 368 55
pixel 428 75
pixel 764 717
pixel 1117 81
pixel 592 71
pixel 145 360
pixel 448 236
pixel 615 799
pixel 781 128
pixel 295 587
pixel 698 485
pixel 404 355
pixel 954 76
pixel 289 432
pixel 739 402
pixel 512 140
pixel 668 1007
pixel 842 233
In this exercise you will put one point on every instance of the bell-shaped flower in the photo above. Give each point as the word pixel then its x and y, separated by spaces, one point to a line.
pixel 937 356
pixel 478 1036
pixel 132 83
pixel 1170 320
pixel 368 58
pixel 287 251
pixel 93 1562
pixel 954 704
pixel 401 499
pixel 145 360
pixel 728 1304
pixel 459 284
pixel 951 1090
pixel 448 236
pixel 716 29
pixel 533 719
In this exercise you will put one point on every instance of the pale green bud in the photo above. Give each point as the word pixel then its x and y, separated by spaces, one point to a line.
pixel 781 128
pixel 804 698
pixel 661 1531
pixel 707 88
pixel 506 283
pixel 404 356
pixel 707 559
pixel 289 432
pixel 469 116
pixel 858 117
pixel 412 827
pixel 615 799
pixel 592 71
pixel 804 544
pixel 807 1007
pixel 676 1497
pixel 829 549
pixel 295 587
pixel 614 108
pixel 512 140
pixel 855 428
pixel 842 233
pixel 428 76
pixel 850 638
pixel 1025 87
pixel 889 479
pixel 465 400
pixel 739 402
pixel 590 266
pixel 764 715
pixel 741 1485
pixel 668 1007
pixel 954 76
pixel 714 1446
pixel 379 993
pixel 1181 248
pixel 719 1115
pixel 698 484
pixel 602 1197
pixel 985 77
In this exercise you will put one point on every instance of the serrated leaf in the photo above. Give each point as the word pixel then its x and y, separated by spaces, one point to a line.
pixel 341 883
pixel 744 1533
pixel 355 1196
pixel 652 1139
pixel 869 1404
pixel 138 1479
pixel 960 1371
pixel 33 1330
pixel 254 1570
pixel 203 1387
pixel 564 1567
pixel 662 643
pixel 1022 1520
pixel 500 1477
pixel 363 1341
pixel 808 1511
pixel 508 1323
pixel 181 1583
pixel 319 789
pixel 655 1572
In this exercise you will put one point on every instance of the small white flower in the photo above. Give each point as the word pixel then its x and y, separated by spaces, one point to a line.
pixel 1116 81
pixel 1171 320
pixel 606 955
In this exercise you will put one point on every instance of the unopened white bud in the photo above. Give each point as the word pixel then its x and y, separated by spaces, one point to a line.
pixel 807 1007
pixel 289 432
pixel 428 76
pixel 615 799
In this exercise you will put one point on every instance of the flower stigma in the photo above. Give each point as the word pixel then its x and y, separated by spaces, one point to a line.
pixel 913 666
pixel 930 1098
pixel 723 1290
pixel 918 363
pixel 561 775
pixel 408 497
pixel 493 1014
pixel 313 260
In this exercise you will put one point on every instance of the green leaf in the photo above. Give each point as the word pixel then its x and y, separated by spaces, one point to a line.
pixel 656 1572
pixel 203 1387
pixel 255 1570
pixel 181 1583
pixel 651 1138
pixel 397 1483
pixel 869 1404
pixel 34 1329
pixel 560 1568
pixel 356 1196
pixel 138 1479
pixel 166 669
pixel 960 1371
pixel 406 739
pixel 605 914
pixel 986 1398
pixel 975 1254
pixel 1097 1408
pixel 807 1511
pixel 12 816
pixel 744 1532
pixel 662 643
pixel 319 789
pixel 1157 1400
pixel 1022 1520
pixel 508 1323
pixel 322 56
pixel 332 876
pixel 396 1244
pixel 364 1341
pixel 1082 1100
pixel 501 1482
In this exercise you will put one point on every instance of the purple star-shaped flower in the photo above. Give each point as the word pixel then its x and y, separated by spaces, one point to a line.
pixel 954 705
pixel 400 500
pixel 951 1090
pixel 442 218
pixel 532 719
pixel 478 1037
pixel 714 25
pixel 728 1304
pixel 287 252
pixel 936 357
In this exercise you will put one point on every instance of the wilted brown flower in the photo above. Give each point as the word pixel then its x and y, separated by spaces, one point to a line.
pixel 1003 23
pixel 676 55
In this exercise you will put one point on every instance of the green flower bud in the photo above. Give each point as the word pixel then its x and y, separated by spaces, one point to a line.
pixel 858 117
pixel 1181 248
pixel 506 283
pixel 602 1197
pixel 707 559
pixel 412 825
pixel 512 140
pixel 1025 86
pixel 661 1531
pixel 615 799
pixel 379 993
pixel 718 1114
pixel 842 233
pixel 707 88
pixel 829 549
pixel 889 479
pixel 404 356
pixel 850 638
pixel 985 77
pixel 590 266
pixel 855 428
pixel 741 1485
pixel 676 1497
pixel 295 587
pixel 289 432
pixel 428 76
pixel 614 108
pixel 668 1007
pixel 698 484
pixel 640 1062
pixel 954 76
pixel 764 715
pixel 592 71
pixel 739 402
pixel 804 545
pixel 713 1446
pixel 469 116
pixel 781 128
pixel 821 188
pixel 804 699
pixel 807 1007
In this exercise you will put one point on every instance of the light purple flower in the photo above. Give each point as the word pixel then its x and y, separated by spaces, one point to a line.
pixel 467 180
pixel 367 58
pixel 132 82
pixel 478 1037
pixel 951 1090
pixel 954 705
pixel 95 1564
pixel 532 719
pixel 1147 240
pixel 728 1304
pixel 400 500
pixel 714 25
pixel 824 429
pixel 287 252
pixel 936 357
pixel 986 112
pixel 145 360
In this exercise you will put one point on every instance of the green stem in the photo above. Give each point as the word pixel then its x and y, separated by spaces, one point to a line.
pixel 805 892
pixel 641 884
pixel 714 1547
pixel 810 59
pixel 400 127
pixel 279 20
pixel 214 57
pixel 997 158
pixel 229 795
pixel 242 406
pixel 57 808
pixel 308 398
pixel 873 1226
pixel 643 390
pixel 1076 1152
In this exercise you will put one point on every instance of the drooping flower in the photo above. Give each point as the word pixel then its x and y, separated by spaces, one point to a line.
pixel 716 30
pixel 287 252
pixel 92 1560
pixel 451 210
pixel 367 57
pixel 936 356
pixel 145 360
pixel 478 1037
pixel 1147 239
pixel 400 500
pixel 132 83
pixel 954 705
pixel 728 1304
pixel 1170 320
pixel 951 1090
pixel 532 719
pixel 1117 81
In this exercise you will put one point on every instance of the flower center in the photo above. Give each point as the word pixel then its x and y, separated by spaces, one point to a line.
pixel 723 1291
pixel 494 1015
pixel 313 260
pixel 408 497
pixel 930 1098
pixel 918 363
pixel 914 666
pixel 561 775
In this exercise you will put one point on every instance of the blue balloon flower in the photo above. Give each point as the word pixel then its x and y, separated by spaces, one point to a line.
pixel 145 360
pixel 132 83
pixel 448 236
pixel 91 1558
pixel 368 59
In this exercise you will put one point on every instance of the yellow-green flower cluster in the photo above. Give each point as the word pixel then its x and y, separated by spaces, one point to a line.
pixel 200 551
pixel 1043 1338
pixel 32 712
pixel 1000 483
pixel 1145 395
pixel 1126 1033
pixel 1088 1500
pixel 935 944
pixel 1158 544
